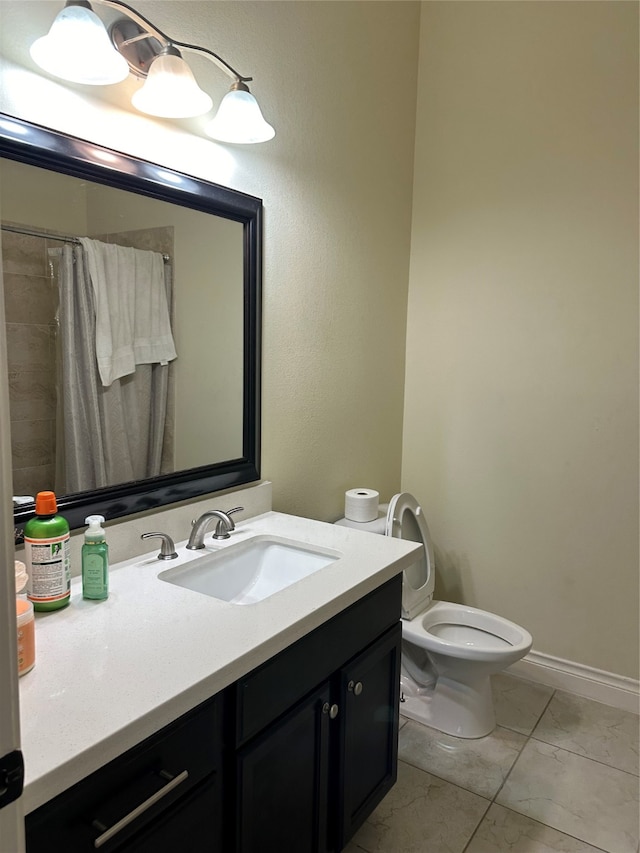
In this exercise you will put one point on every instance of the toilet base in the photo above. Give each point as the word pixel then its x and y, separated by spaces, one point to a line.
pixel 462 710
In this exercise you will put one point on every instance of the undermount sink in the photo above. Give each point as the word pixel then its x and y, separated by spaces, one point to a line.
pixel 252 570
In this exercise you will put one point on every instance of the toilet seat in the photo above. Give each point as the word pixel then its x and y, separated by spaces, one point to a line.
pixel 466 633
pixel 405 520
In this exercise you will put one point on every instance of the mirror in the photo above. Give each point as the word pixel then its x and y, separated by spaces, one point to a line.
pixel 57 189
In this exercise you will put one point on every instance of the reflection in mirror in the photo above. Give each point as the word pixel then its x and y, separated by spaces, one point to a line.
pixel 131 333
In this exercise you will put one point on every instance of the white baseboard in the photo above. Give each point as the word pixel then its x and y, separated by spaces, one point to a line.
pixel 606 687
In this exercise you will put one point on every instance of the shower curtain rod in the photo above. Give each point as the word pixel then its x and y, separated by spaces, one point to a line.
pixel 34 232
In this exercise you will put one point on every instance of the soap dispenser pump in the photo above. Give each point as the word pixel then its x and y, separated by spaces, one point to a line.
pixel 95 560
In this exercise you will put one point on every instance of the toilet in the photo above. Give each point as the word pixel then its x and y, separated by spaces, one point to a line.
pixel 449 651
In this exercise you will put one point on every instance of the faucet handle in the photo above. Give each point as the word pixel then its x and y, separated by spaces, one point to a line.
pixel 167 549
pixel 226 525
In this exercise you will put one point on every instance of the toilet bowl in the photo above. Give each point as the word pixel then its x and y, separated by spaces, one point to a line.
pixel 449 651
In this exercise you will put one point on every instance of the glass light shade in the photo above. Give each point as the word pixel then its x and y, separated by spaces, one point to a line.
pixel 239 119
pixel 77 48
pixel 171 91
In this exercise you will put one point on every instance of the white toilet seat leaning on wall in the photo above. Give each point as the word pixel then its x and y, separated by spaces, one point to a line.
pixel 405 520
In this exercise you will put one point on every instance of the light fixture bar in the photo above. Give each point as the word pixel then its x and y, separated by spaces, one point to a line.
pixel 224 66
pixel 146 26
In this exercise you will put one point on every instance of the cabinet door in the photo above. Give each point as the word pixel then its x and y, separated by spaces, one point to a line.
pixel 370 693
pixel 282 778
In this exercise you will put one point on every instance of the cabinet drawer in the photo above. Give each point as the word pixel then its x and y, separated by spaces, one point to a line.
pixel 134 789
pixel 271 689
pixel 189 827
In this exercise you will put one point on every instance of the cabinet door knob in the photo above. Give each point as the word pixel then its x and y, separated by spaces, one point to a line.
pixel 355 687
pixel 331 710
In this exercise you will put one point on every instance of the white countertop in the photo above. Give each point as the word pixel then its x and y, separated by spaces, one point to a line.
pixel 108 674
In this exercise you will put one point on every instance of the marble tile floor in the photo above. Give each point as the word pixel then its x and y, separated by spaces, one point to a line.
pixel 559 774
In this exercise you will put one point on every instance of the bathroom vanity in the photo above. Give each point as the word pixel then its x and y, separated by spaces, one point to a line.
pixel 271 726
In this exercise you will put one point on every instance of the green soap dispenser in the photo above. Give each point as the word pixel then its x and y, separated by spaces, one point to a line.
pixel 95 560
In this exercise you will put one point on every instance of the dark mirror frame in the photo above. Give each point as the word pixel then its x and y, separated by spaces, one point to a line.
pixel 49 149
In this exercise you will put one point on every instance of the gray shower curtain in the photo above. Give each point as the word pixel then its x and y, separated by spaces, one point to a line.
pixel 114 434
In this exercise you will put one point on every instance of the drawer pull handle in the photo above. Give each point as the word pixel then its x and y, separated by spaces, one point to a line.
pixel 331 710
pixel 355 687
pixel 152 800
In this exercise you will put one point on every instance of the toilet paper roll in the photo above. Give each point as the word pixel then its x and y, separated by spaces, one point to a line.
pixel 361 504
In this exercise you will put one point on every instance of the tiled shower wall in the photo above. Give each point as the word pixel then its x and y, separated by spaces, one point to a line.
pixel 30 306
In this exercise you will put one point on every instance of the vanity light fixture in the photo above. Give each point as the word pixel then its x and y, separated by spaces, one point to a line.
pixel 239 113
pixel 78 48
pixel 170 89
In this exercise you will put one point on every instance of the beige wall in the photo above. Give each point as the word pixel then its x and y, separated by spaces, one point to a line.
pixel 521 413
pixel 338 81
pixel 31 196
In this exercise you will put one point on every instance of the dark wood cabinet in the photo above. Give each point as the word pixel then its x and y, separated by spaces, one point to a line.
pixel 292 757
pixel 308 774
pixel 307 782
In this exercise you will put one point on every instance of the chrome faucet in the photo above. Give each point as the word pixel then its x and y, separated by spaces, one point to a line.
pixel 223 529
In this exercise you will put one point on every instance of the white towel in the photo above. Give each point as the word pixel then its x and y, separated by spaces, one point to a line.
pixel 132 315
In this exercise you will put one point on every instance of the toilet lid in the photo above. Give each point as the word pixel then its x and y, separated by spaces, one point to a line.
pixel 405 520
